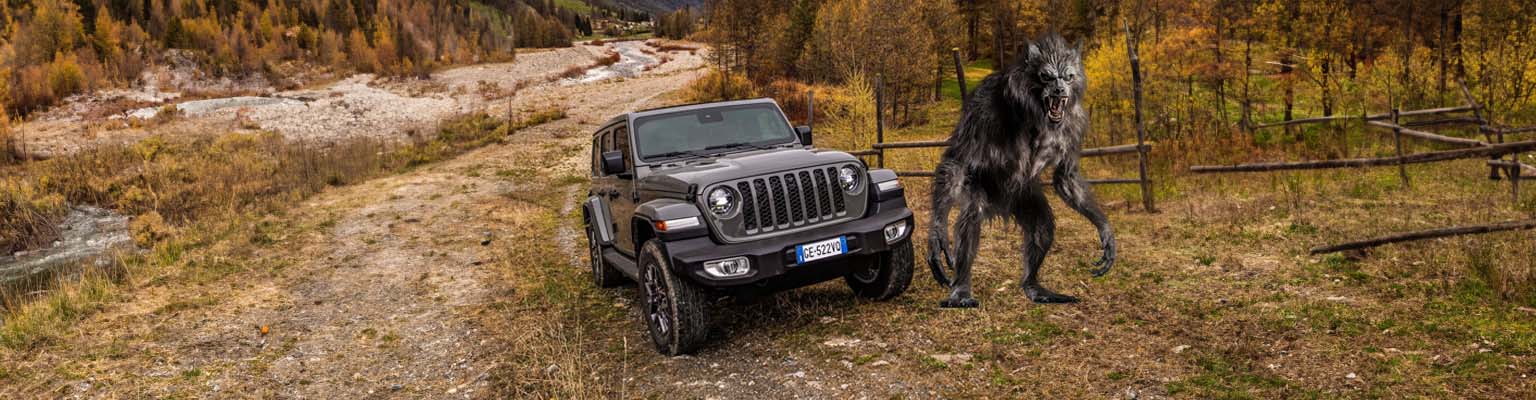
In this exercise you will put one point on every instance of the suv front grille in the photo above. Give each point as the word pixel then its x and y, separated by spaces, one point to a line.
pixel 790 199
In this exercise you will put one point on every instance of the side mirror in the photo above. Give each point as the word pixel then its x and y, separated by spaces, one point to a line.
pixel 805 134
pixel 613 163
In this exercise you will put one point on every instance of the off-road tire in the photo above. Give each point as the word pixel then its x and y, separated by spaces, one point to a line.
pixel 674 309
pixel 885 276
pixel 603 275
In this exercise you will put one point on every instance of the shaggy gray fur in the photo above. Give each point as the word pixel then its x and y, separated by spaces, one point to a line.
pixel 1017 123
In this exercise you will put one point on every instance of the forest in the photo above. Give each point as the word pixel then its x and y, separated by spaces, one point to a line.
pixel 52 49
pixel 1212 68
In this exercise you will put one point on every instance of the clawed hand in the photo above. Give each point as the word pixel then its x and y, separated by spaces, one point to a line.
pixel 1106 261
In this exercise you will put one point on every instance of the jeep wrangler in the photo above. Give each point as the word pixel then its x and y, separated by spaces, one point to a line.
pixel 706 201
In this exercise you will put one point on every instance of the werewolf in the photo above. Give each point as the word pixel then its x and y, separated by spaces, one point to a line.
pixel 1019 122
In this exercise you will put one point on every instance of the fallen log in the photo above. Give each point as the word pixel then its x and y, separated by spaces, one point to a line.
pixel 1428 136
pixel 1428 234
pixel 1493 150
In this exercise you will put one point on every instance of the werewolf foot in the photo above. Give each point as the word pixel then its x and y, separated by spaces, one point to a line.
pixel 1040 294
pixel 959 302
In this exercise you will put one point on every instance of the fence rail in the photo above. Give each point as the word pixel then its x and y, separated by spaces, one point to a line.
pixel 1436 156
pixel 878 149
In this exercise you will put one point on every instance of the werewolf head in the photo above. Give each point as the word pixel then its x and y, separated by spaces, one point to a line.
pixel 1049 79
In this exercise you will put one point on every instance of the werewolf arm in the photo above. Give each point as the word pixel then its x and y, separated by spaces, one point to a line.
pixel 1077 193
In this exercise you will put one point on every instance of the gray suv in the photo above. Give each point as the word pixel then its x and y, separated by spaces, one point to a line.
pixel 703 201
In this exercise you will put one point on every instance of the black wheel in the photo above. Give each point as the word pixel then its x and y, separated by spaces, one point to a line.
pixel 603 275
pixel 675 310
pixel 885 276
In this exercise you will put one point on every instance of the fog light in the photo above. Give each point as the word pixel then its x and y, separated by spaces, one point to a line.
pixel 896 231
pixel 728 268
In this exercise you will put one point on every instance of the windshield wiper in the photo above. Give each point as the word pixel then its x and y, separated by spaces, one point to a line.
pixel 737 145
pixel 670 154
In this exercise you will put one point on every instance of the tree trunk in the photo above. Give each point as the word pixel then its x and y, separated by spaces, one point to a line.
pixel 1440 44
pixel 1247 84
pixel 973 20
pixel 1327 99
pixel 998 37
pixel 1221 78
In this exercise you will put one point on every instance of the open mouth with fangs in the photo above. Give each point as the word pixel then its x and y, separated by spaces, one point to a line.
pixel 1054 108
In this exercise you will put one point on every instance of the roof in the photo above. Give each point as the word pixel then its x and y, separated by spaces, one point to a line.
pixel 699 106
pixel 687 107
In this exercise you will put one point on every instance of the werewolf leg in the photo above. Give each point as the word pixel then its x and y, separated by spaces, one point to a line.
pixel 968 230
pixel 1034 216
pixel 1076 192
pixel 947 183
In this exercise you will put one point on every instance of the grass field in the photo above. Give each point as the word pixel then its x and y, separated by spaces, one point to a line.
pixel 1214 297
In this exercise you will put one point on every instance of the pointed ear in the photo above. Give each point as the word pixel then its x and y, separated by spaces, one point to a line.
pixel 1034 52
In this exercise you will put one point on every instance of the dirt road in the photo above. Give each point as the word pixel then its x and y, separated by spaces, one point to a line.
pixel 377 289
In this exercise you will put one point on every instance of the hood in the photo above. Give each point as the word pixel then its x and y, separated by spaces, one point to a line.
pixel 677 176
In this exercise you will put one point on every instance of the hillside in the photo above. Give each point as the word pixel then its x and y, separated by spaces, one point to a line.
pixel 53 49
pixel 659 6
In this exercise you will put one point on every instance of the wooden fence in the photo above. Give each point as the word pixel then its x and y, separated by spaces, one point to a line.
pixel 1141 148
pixel 1493 145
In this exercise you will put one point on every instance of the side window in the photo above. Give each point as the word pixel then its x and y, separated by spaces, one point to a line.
pixel 604 145
pixel 597 153
pixel 621 143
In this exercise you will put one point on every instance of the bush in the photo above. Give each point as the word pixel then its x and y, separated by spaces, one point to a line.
pixel 149 229
pixel 28 216
pixel 65 77
pixel 709 88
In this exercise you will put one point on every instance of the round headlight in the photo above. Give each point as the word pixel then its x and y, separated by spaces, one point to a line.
pixel 848 176
pixel 721 201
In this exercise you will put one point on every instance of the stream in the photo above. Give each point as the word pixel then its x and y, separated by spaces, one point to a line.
pixel 85 235
pixel 632 62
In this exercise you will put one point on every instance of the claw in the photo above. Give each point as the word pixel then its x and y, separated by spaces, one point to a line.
pixel 961 302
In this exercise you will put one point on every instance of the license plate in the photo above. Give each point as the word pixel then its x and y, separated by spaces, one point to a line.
pixel 818 250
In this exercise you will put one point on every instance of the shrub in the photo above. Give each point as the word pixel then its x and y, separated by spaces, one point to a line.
pixel 65 77
pixel 28 216
pixel 709 88
pixel 149 229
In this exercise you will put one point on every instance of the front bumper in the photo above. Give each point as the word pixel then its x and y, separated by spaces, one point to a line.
pixel 773 259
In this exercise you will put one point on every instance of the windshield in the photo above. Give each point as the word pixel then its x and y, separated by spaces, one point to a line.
pixel 710 130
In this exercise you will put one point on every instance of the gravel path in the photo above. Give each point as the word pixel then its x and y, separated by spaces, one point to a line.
pixel 378 296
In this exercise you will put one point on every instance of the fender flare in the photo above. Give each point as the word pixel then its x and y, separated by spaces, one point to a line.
pixel 666 209
pixel 598 215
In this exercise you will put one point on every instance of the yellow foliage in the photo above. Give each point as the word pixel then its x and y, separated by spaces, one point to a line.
pixel 709 87
pixel 149 229
pixel 850 115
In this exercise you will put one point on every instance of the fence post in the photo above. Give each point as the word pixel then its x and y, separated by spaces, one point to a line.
pixel 959 75
pixel 810 109
pixel 1514 180
pixel 1141 131
pixel 880 119
pixel 1482 126
pixel 1397 137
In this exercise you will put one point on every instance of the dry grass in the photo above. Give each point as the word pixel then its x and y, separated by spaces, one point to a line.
pixel 1214 297
pixel 209 186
